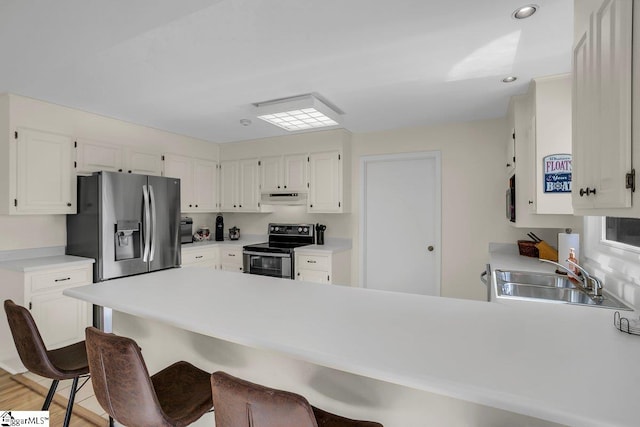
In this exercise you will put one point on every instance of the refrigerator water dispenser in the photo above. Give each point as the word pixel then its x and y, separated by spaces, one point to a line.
pixel 127 240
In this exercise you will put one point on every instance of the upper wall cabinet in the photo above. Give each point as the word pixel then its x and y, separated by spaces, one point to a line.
pixel 283 173
pixel 603 61
pixel 198 182
pixel 326 181
pixel 240 186
pixel 40 177
pixel 540 127
pixel 94 156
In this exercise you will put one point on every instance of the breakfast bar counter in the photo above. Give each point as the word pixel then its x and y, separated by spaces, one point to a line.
pixel 396 358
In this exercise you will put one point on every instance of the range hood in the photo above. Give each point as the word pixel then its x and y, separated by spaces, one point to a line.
pixel 284 198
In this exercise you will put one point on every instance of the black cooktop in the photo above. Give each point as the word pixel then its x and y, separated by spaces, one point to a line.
pixel 283 238
pixel 277 247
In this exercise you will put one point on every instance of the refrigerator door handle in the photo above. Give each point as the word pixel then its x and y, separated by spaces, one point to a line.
pixel 154 226
pixel 147 221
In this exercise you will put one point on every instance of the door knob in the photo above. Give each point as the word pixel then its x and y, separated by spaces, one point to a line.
pixel 430 248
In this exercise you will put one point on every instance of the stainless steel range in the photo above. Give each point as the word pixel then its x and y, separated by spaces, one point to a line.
pixel 275 257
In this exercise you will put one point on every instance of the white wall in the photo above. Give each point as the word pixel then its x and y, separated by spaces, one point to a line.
pixel 34 231
pixel 474 182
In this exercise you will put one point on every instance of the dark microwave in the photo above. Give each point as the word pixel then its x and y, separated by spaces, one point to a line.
pixel 511 199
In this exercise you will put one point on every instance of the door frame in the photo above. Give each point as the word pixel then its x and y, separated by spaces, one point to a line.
pixel 364 161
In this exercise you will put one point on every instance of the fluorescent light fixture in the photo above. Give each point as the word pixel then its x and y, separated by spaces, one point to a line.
pixel 299 113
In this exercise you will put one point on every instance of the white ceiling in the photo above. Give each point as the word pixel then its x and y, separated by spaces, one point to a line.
pixel 195 67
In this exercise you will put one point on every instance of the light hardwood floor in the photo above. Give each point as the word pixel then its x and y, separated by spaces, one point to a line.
pixel 26 392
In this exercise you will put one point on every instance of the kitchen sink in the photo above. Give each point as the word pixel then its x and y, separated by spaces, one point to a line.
pixel 537 279
pixel 550 288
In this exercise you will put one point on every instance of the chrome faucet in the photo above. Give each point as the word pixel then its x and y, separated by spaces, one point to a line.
pixel 589 282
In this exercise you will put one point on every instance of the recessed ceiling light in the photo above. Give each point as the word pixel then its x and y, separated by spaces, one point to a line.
pixel 509 79
pixel 245 122
pixel 525 11
pixel 304 112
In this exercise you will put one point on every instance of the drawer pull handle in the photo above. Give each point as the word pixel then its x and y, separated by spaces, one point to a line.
pixel 310 261
pixel 199 256
pixel 63 280
pixel 231 254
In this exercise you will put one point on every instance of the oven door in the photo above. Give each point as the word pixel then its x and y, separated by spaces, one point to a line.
pixel 268 264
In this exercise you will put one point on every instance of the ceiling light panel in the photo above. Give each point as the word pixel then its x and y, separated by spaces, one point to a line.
pixel 305 112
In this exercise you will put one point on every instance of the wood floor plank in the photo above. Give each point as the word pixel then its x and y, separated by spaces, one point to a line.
pixel 22 394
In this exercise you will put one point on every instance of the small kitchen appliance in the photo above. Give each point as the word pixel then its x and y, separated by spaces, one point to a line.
pixel 186 229
pixel 320 229
pixel 219 229
pixel 275 257
pixel 203 233
pixel 234 233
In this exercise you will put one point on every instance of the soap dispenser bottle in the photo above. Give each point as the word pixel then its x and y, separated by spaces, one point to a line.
pixel 572 258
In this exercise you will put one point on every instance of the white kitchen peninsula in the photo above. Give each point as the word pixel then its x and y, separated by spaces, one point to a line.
pixel 400 359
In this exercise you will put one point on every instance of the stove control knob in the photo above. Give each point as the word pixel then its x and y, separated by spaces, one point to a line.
pixel 305 229
pixel 277 228
pixel 299 229
pixel 273 228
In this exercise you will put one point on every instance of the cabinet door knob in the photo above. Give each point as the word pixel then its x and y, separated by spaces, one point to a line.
pixel 285 186
pixel 508 165
pixel 190 206
pixel 430 248
pixel 530 202
pixel 593 191
pixel 69 204
pixel 278 186
pixel 119 170
pixel 129 171
pixel 582 192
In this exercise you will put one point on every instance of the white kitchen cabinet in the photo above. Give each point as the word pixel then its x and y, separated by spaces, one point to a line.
pixel 323 266
pixel 240 186
pixel 231 258
pixel 94 156
pixel 142 162
pixel 284 173
pixel 43 181
pixel 326 182
pixel 198 182
pixel 61 320
pixel 602 118
pixel 541 123
pixel 201 256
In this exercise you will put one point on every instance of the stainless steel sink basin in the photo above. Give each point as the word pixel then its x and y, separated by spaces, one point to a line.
pixel 550 288
pixel 538 279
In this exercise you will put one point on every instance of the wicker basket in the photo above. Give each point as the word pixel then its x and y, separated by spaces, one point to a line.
pixel 528 248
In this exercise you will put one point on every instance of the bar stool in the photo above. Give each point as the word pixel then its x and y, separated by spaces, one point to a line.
pixel 176 396
pixel 240 403
pixel 64 363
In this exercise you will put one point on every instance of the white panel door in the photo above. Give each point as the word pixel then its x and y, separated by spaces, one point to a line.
pixel 229 180
pixel 325 177
pixel 181 167
pixel 295 172
pixel 400 217
pixel 205 176
pixel 271 173
pixel 143 163
pixel 96 156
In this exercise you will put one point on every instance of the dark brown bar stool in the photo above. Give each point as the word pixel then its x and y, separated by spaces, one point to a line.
pixel 240 403
pixel 176 396
pixel 64 363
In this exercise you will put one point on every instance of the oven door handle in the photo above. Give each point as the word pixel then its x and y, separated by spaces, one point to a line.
pixel 267 254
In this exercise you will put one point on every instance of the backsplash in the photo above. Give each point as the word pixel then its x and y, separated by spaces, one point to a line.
pixel 338 225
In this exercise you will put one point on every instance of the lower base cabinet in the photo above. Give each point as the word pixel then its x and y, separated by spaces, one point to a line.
pixel 223 257
pixel 61 320
pixel 324 267
pixel 231 259
pixel 206 256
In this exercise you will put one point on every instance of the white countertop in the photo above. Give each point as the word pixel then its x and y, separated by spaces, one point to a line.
pixel 563 363
pixel 332 245
pixel 44 263
pixel 244 240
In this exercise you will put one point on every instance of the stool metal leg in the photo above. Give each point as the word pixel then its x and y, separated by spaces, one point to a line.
pixel 52 392
pixel 72 397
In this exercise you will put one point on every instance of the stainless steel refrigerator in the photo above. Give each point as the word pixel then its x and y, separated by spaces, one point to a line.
pixel 130 224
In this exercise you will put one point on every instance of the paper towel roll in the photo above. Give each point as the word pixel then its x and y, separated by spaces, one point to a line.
pixel 566 242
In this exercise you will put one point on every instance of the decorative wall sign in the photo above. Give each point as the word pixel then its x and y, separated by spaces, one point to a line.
pixel 557 173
